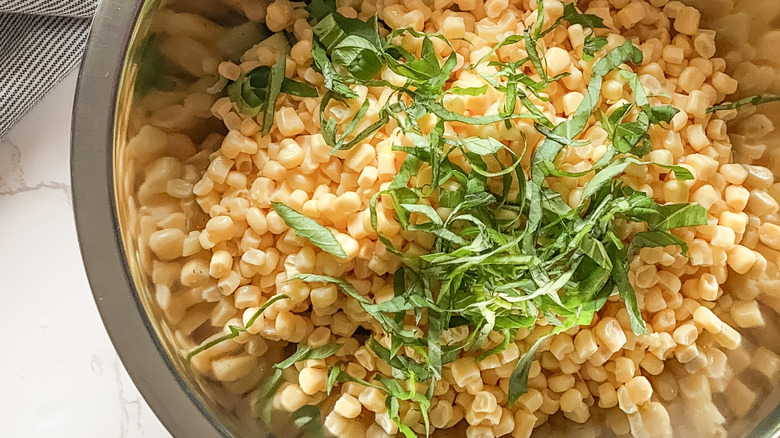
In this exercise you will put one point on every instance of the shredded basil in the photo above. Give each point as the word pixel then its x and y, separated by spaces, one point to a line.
pixel 753 100
pixel 510 251
pixel 309 229
pixel 236 330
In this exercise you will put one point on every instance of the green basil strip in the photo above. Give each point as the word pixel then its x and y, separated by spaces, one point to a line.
pixel 309 229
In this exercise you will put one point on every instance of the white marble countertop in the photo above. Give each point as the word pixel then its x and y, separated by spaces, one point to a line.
pixel 59 374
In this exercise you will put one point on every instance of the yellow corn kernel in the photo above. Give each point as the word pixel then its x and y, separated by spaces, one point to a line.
pixel 675 191
pixel 624 400
pixel 484 402
pixel 740 398
pixel 465 371
pixel 560 382
pixel 723 83
pixel 625 368
pixel 761 203
pixel 630 15
pixel 347 406
pixel 453 27
pixel 746 314
pixel 691 79
pixel 704 318
pixel 741 259
pixel 585 343
pixel 687 20
pixel 610 333
pixel 558 61
pixel 361 156
pixel 737 197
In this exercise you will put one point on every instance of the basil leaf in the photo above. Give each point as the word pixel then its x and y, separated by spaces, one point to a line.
pixel 518 381
pixel 267 391
pixel 549 149
pixel 628 136
pixel 573 16
pixel 640 96
pixel 655 115
pixel 309 229
pixel 405 365
pixel 396 392
pixel 295 88
pixel 275 81
pixel 661 113
pixel 653 239
pixel 595 250
pixel 262 308
pixel 319 9
pixel 359 56
pixel 250 91
pixel 332 79
pixel 425 210
pixel 552 135
pixel 350 291
pixel 235 330
pixel 511 39
pixel 306 352
pixel 468 91
pixel 680 173
pixel 619 55
pixel 620 278
pixel 533 55
pixel 448 116
pixel 679 215
pixel 502 346
pixel 351 43
pixel 333 376
pixel 336 375
pixel 605 176
pixel 753 100
pixel 436 321
pixel 483 146
pixel 307 419
pixel 592 45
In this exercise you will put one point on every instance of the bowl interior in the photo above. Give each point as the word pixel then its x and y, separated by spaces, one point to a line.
pixel 164 65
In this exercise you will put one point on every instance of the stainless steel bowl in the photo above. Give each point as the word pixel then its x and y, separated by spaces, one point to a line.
pixel 104 209
pixel 112 270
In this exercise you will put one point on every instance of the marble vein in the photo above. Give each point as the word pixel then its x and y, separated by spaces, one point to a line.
pixel 12 180
pixel 125 404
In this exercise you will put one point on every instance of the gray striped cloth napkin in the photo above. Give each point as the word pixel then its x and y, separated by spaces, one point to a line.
pixel 40 42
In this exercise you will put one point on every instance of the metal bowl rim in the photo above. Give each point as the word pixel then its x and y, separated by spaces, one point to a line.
pixel 103 254
pixel 97 224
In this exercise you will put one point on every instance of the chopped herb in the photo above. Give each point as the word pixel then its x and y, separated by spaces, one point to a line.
pixel 256 91
pixel 518 381
pixel 510 251
pixel 309 229
pixel 272 384
pixel 653 239
pixel 319 9
pixel 593 44
pixel 573 16
pixel 351 43
pixel 251 94
pixel 308 420
pixel 469 91
pixel 154 68
pixel 236 330
pixel 275 81
pixel 306 352
pixel 753 100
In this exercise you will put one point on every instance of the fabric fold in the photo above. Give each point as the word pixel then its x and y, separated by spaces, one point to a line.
pixel 57 8
pixel 41 41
